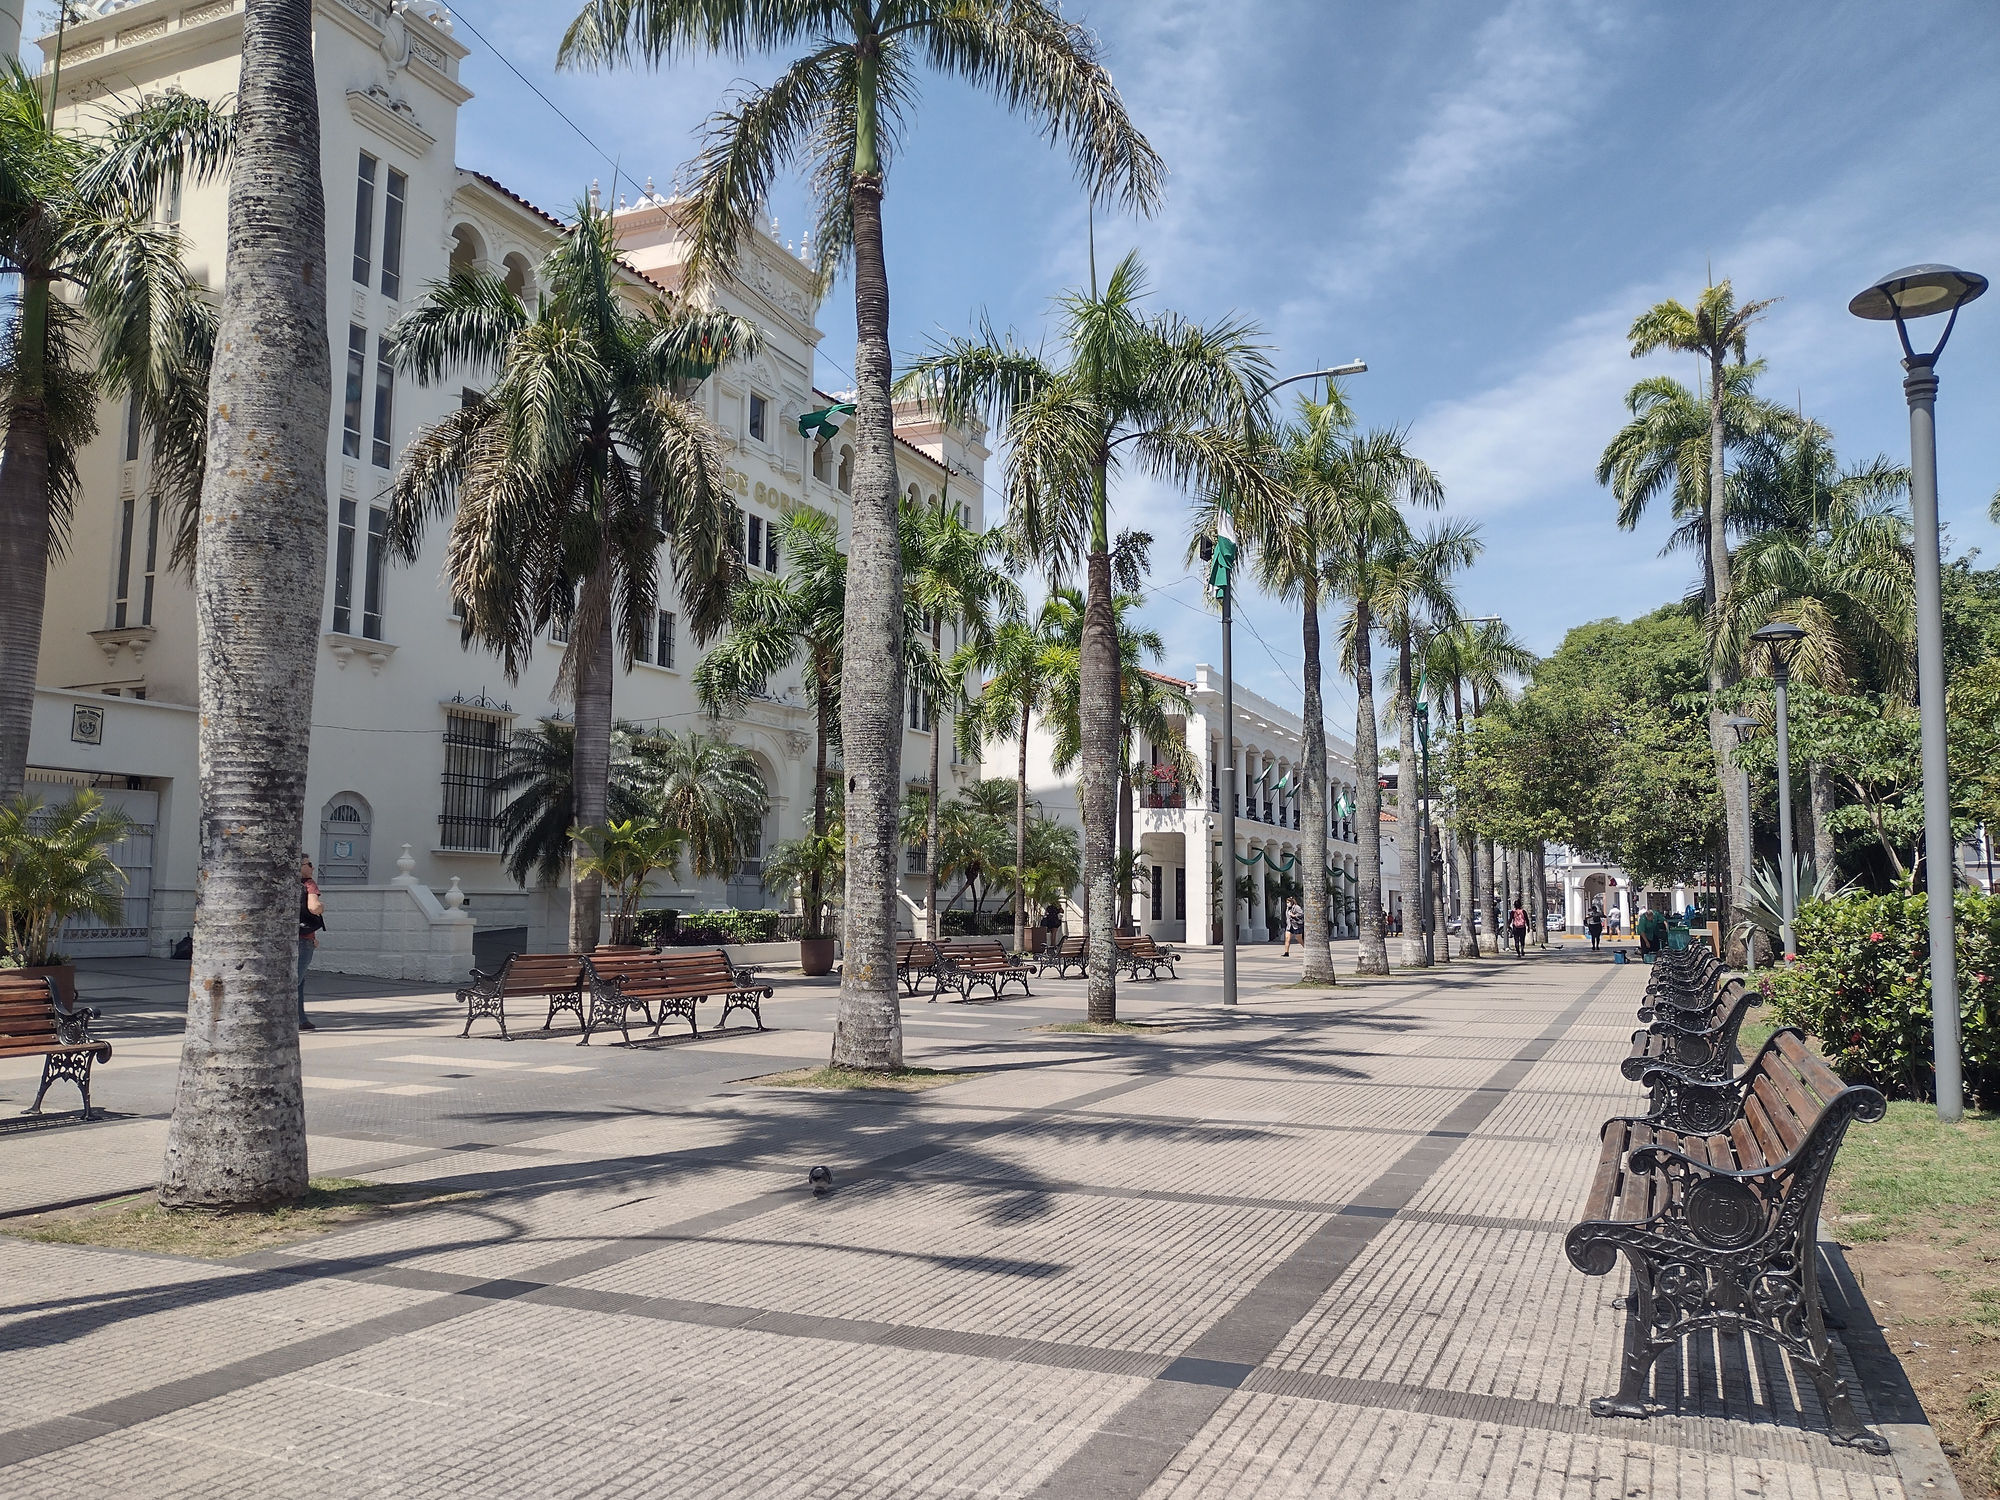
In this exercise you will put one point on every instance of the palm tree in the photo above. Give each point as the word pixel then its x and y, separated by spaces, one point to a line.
pixel 624 854
pixel 1018 658
pixel 237 1135
pixel 707 789
pixel 1476 658
pixel 537 777
pixel 563 479
pixel 955 580
pixel 1369 477
pixel 1414 600
pixel 78 214
pixel 800 618
pixel 841 106
pixel 1163 395
pixel 1829 551
pixel 1713 330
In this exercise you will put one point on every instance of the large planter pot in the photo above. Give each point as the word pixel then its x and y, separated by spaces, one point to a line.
pixel 63 974
pixel 816 956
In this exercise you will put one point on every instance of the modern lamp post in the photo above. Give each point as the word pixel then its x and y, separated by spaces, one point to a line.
pixel 1781 638
pixel 1219 586
pixel 1744 727
pixel 1920 292
pixel 1423 849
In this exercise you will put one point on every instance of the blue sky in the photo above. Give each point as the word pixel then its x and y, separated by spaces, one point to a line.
pixel 1475 198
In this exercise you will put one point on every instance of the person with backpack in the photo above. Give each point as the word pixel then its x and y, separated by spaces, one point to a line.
pixel 1517 925
pixel 1593 923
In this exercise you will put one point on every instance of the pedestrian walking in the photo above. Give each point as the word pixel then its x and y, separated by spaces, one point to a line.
pixel 1517 924
pixel 312 922
pixel 1295 925
pixel 1593 923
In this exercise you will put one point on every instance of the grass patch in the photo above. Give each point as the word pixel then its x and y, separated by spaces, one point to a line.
pixel 1758 1024
pixel 140 1222
pixel 1917 1204
pixel 1102 1028
pixel 899 1080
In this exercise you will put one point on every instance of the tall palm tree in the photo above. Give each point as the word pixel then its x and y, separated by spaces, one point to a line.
pixel 800 618
pixel 955 579
pixel 237 1137
pixel 1370 476
pixel 77 214
pixel 1415 599
pixel 1714 330
pixel 1017 657
pixel 538 779
pixel 1473 658
pixel 1828 550
pixel 565 477
pixel 1165 396
pixel 709 790
pixel 841 107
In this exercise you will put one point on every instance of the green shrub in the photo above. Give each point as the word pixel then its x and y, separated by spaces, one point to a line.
pixel 654 925
pixel 1862 985
pixel 700 929
pixel 954 922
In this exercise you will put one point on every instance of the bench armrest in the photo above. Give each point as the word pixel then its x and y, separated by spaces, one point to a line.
pixel 73 1025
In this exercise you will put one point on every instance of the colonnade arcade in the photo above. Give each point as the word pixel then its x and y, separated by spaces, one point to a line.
pixel 1269 802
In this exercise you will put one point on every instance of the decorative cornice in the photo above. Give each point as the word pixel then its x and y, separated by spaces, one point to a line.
pixel 375 109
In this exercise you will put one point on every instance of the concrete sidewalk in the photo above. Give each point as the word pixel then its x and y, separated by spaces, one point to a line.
pixel 1310 1247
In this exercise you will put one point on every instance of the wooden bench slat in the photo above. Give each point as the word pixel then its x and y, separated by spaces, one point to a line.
pixel 34 1023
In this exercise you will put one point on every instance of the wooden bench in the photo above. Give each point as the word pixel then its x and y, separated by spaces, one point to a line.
pixel 1677 991
pixel 556 977
pixel 1141 952
pixel 675 981
pixel 1664 1051
pixel 34 1022
pixel 916 961
pixel 1074 953
pixel 964 964
pixel 1719 1227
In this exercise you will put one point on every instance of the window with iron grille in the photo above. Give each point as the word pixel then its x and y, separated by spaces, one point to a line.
pixel 474 748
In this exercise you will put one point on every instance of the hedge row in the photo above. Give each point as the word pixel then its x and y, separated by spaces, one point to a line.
pixel 699 928
pixel 1862 985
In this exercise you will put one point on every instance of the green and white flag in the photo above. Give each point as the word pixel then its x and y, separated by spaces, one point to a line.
pixel 827 421
pixel 1224 559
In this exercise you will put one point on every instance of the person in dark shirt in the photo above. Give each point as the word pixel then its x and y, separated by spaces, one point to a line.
pixel 312 922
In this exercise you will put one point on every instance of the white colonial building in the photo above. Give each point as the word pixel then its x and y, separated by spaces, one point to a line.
pixel 409 725
pixel 1173 830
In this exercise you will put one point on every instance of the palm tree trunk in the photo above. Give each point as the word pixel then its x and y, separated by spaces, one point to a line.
pixel 237 1136
pixel 1318 967
pixel 1409 794
pixel 1374 954
pixel 1021 839
pixel 1128 866
pixel 1721 738
pixel 868 1030
pixel 593 671
pixel 1465 846
pixel 934 811
pixel 1489 893
pixel 1098 670
pixel 24 551
pixel 815 886
pixel 1826 851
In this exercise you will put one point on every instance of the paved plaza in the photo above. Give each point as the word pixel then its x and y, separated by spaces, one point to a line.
pixel 1308 1247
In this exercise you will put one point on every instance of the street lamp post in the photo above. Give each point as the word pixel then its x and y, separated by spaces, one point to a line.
pixel 1744 727
pixel 1920 292
pixel 1423 849
pixel 1781 638
pixel 1219 586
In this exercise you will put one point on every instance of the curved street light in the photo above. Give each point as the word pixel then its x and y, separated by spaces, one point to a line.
pixel 1922 292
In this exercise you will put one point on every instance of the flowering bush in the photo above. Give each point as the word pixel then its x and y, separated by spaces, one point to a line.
pixel 1862 985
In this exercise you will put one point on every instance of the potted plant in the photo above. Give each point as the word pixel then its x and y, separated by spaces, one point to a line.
pixel 811 865
pixel 55 864
pixel 625 855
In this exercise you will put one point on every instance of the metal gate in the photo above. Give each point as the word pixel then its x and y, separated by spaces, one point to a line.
pixel 86 937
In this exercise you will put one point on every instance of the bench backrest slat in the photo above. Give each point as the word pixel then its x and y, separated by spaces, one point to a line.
pixel 687 968
pixel 27 1010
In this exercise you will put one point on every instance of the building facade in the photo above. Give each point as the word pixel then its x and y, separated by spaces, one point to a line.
pixel 1182 894
pixel 410 725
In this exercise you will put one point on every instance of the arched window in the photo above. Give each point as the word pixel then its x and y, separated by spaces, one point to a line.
pixel 846 470
pixel 468 250
pixel 822 462
pixel 520 276
pixel 344 826
pixel 913 498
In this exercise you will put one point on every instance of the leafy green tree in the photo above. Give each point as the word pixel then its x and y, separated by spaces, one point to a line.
pixel 814 865
pixel 103 307
pixel 565 477
pixel 956 579
pixel 56 864
pixel 840 107
pixel 1053 866
pixel 1158 394
pixel 706 789
pixel 624 854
